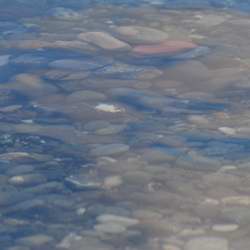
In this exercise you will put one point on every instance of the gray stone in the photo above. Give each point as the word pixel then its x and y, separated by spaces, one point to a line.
pixel 35 240
pixel 104 40
pixel 27 180
pixel 110 149
pixel 207 243
pixel 65 14
pixel 140 34
pixel 4 59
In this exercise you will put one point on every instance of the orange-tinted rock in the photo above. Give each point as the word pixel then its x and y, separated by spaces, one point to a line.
pixel 167 47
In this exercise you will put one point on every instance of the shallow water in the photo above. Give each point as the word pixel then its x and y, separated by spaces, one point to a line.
pixel 124 125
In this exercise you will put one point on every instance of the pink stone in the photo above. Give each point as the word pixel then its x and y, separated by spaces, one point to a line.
pixel 166 47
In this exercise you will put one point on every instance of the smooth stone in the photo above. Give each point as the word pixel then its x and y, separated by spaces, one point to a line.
pixel 65 14
pixel 30 85
pixel 116 219
pixel 46 188
pixel 104 40
pixel 82 183
pixel 28 59
pixel 110 149
pixel 13 197
pixel 112 182
pixel 210 20
pixel 110 228
pixel 236 200
pixel 4 59
pixel 119 68
pixel 207 243
pixel 164 48
pixel 76 242
pixel 85 95
pixel 140 34
pixel 106 107
pixel 227 130
pixel 21 169
pixel 26 206
pixel 27 180
pixel 236 214
pixel 36 240
pixel 18 248
pixel 73 64
pixel 192 53
pixel 170 247
pixel 224 228
pixel 24 156
pixel 110 130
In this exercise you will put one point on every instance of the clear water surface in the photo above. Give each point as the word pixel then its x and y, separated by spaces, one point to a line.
pixel 124 125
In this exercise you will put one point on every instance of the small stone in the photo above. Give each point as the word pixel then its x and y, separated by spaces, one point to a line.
pixel 110 149
pixel 140 34
pixel 85 95
pixel 81 211
pixel 27 180
pixel 65 14
pixel 123 221
pixel 207 243
pixel 108 108
pixel 110 228
pixel 227 130
pixel 164 48
pixel 35 240
pixel 170 247
pixel 73 64
pixel 104 40
pixel 237 200
pixel 224 228
pixel 112 182
pixel 82 183
pixel 4 59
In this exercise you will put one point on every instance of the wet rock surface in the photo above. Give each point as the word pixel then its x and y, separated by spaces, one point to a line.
pixel 124 125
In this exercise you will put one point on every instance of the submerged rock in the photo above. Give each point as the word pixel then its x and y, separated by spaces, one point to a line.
pixel 110 149
pixel 116 219
pixel 4 59
pixel 207 243
pixel 35 240
pixel 64 14
pixel 166 47
pixel 104 40
pixel 140 34
pixel 105 107
pixel 73 64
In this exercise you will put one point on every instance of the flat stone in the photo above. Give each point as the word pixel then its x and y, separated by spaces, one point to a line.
pixel 35 240
pixel 77 242
pixel 85 95
pixel 109 149
pixel 104 40
pixel 111 108
pixel 140 34
pixel 112 182
pixel 224 228
pixel 4 59
pixel 82 183
pixel 227 130
pixel 73 64
pixel 65 14
pixel 123 221
pixel 164 48
pixel 29 59
pixel 27 180
pixel 236 200
pixel 110 228
pixel 207 243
